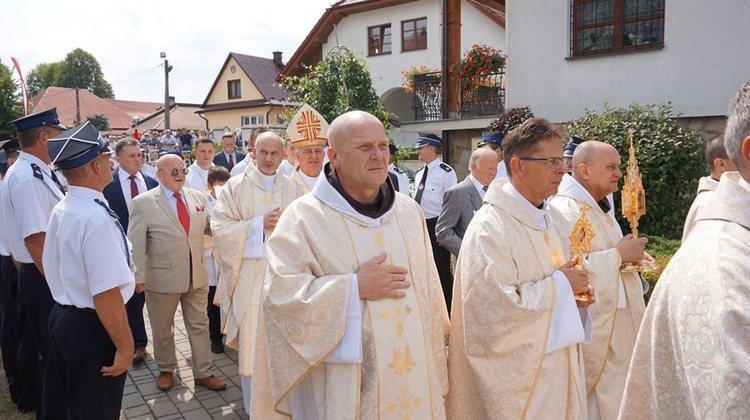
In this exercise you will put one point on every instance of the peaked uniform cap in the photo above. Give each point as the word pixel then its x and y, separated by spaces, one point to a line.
pixel 429 139
pixel 491 137
pixel 308 128
pixel 77 146
pixel 46 118
pixel 571 146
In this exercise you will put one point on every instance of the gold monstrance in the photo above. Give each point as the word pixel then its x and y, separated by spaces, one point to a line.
pixel 634 205
pixel 580 244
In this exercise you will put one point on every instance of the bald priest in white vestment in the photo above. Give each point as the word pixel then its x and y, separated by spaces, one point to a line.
pixel 353 322
pixel 692 355
pixel 245 214
pixel 619 296
pixel 516 328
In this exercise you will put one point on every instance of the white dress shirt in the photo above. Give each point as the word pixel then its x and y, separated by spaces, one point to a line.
pixel 173 200
pixel 85 252
pixel 478 185
pixel 26 203
pixel 438 181
pixel 125 184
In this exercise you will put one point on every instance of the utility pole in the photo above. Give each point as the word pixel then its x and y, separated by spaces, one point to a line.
pixel 167 69
pixel 78 109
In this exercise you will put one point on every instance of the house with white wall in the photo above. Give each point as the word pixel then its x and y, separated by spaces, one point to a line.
pixel 568 56
pixel 394 35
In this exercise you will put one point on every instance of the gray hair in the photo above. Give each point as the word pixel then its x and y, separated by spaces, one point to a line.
pixel 738 124
pixel 478 153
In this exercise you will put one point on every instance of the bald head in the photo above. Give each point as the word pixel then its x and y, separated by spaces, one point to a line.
pixel 168 160
pixel 359 154
pixel 269 139
pixel 342 127
pixel 269 152
pixel 587 151
pixel 596 166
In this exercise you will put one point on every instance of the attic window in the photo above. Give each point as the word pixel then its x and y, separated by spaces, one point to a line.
pixel 379 39
pixel 414 34
pixel 601 26
pixel 233 87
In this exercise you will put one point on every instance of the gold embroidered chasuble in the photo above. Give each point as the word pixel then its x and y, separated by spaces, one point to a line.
pixel 243 198
pixel 705 184
pixel 607 358
pixel 500 322
pixel 300 180
pixel 692 355
pixel 311 257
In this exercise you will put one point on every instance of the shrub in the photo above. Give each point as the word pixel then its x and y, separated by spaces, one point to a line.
pixel 510 120
pixel 662 249
pixel 670 159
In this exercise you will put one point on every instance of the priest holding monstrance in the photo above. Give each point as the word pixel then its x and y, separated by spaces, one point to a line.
pixel 619 296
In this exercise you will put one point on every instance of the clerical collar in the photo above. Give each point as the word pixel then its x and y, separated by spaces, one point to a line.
pixel 378 208
pixel 536 213
pixel 743 183
pixel 309 180
pixel 714 179
pixel 267 180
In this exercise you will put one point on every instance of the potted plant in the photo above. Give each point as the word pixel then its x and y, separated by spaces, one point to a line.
pixel 416 76
pixel 477 63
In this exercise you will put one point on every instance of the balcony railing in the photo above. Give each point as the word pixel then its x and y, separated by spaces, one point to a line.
pixel 482 97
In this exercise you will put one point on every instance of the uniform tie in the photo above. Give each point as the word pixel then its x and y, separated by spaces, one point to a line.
pixel 119 227
pixel 420 188
pixel 182 212
pixel 133 187
pixel 57 182
pixel 231 161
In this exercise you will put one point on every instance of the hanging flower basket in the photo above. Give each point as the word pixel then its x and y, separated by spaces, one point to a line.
pixel 478 62
pixel 419 75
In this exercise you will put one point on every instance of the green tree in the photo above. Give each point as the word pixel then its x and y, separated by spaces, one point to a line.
pixel 339 83
pixel 100 122
pixel 11 103
pixel 670 159
pixel 79 69
pixel 42 76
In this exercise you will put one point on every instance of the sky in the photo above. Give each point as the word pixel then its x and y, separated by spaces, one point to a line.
pixel 126 38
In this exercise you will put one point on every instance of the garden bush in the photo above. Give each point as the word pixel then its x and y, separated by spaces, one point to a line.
pixel 669 156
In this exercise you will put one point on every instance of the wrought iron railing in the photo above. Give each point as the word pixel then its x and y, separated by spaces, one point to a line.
pixel 482 96
pixel 426 102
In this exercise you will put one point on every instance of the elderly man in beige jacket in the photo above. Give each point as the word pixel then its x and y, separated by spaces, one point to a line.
pixel 166 228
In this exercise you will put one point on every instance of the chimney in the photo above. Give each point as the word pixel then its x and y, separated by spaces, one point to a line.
pixel 277 59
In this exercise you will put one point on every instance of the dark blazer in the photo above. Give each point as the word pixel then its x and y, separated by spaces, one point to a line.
pixel 221 160
pixel 113 194
pixel 460 202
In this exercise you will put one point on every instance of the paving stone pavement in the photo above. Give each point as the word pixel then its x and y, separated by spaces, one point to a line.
pixel 142 400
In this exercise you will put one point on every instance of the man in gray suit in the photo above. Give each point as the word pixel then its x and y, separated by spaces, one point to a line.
pixel 464 199
pixel 166 229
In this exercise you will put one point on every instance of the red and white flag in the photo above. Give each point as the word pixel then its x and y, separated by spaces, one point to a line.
pixel 23 86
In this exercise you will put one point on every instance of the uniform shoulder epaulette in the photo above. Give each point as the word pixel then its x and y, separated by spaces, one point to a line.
pixel 37 171
pixel 445 167
pixel 397 170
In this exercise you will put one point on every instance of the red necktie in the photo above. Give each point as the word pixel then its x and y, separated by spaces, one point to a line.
pixel 182 213
pixel 133 187
pixel 231 162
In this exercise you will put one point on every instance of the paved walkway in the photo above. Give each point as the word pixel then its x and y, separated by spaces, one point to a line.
pixel 142 400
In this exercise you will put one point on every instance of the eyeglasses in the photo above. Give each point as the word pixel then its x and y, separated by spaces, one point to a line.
pixel 175 172
pixel 549 162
